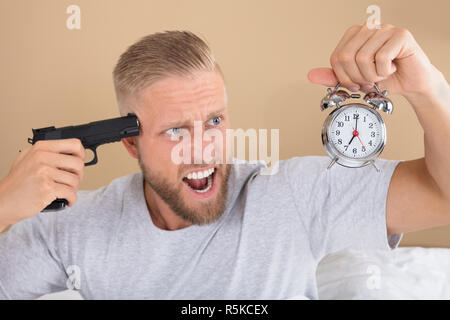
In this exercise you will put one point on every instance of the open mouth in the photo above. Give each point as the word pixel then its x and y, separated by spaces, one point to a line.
pixel 200 181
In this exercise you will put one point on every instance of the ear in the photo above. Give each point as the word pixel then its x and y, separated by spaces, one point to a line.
pixel 130 145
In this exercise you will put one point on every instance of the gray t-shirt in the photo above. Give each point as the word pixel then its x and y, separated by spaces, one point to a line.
pixel 266 245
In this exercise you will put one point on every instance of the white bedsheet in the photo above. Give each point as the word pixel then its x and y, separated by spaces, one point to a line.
pixel 403 273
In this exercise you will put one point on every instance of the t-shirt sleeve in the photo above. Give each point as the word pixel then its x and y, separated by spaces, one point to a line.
pixel 29 263
pixel 342 208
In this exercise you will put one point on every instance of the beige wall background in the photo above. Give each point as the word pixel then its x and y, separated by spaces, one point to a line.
pixel 50 75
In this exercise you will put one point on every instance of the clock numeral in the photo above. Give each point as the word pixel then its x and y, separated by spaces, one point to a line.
pixel 340 124
pixel 338 132
pixel 355 116
pixel 346 147
pixel 354 150
pixel 370 143
pixel 371 125
pixel 372 134
pixel 339 141
pixel 364 119
pixel 347 118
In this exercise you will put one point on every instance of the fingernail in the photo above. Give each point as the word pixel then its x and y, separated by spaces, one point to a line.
pixel 367 86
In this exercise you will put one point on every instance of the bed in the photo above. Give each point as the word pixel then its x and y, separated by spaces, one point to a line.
pixel 403 273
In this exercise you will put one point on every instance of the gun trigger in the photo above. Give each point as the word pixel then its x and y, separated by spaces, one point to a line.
pixel 94 160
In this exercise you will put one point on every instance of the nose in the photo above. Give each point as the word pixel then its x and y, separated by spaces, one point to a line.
pixel 198 144
pixel 197 147
pixel 206 145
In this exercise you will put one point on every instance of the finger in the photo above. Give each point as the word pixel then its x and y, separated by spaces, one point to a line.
pixel 347 55
pixel 64 177
pixel 344 78
pixel 323 76
pixel 61 161
pixel 365 58
pixel 341 75
pixel 349 34
pixel 67 146
pixel 394 48
pixel 62 191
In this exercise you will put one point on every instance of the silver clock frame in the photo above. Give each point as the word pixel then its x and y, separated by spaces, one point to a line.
pixel 340 158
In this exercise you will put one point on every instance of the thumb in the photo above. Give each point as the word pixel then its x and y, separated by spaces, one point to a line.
pixel 323 76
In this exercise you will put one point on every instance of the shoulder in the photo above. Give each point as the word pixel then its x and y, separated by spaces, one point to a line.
pixel 285 176
pixel 98 207
pixel 307 176
pixel 304 164
pixel 295 168
pixel 315 167
pixel 110 195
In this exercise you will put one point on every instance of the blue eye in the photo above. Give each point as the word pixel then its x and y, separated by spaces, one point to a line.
pixel 173 131
pixel 215 121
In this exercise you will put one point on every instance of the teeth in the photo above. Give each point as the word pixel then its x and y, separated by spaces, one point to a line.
pixel 207 187
pixel 200 174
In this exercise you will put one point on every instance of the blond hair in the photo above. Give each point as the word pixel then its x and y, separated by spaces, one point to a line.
pixel 156 56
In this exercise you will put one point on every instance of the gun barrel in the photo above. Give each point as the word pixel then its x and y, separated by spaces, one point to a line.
pixel 92 134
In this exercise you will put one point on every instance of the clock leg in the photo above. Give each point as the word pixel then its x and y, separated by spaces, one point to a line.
pixel 332 162
pixel 373 163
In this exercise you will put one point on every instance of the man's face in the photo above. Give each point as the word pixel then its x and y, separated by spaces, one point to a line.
pixel 168 108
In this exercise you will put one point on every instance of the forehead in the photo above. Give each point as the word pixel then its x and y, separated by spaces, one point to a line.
pixel 183 97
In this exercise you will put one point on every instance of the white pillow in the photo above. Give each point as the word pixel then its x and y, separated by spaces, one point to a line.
pixel 403 273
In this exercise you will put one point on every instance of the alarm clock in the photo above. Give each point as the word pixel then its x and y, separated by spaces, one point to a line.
pixel 354 133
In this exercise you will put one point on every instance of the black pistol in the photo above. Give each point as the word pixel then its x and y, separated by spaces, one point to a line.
pixel 91 135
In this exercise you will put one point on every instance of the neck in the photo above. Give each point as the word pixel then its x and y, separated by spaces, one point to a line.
pixel 161 214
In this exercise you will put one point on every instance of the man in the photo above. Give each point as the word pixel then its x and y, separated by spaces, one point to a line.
pixel 220 230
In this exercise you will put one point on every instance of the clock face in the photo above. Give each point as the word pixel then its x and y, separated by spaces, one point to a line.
pixel 356 132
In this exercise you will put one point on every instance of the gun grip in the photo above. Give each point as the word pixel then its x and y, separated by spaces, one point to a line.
pixel 95 159
pixel 58 204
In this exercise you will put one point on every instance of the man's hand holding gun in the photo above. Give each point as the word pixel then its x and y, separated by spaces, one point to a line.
pixel 46 175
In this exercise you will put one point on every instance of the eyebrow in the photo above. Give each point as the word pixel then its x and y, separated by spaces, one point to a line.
pixel 185 123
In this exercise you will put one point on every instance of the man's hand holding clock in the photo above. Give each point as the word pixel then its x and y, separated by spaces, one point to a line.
pixel 390 59
pixel 389 56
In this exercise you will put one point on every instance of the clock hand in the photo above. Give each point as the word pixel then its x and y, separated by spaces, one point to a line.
pixel 359 138
pixel 354 133
pixel 351 140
